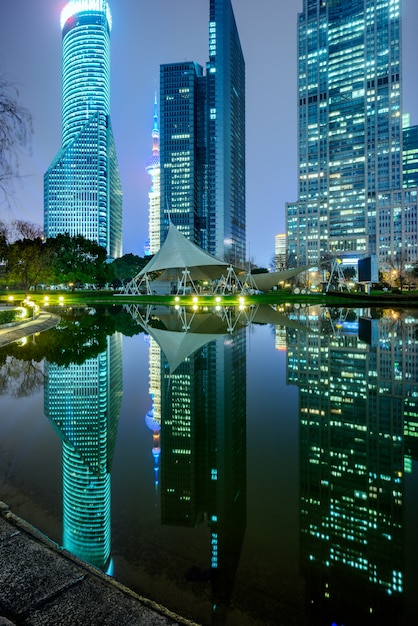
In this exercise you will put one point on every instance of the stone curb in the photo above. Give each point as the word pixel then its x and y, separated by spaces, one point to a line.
pixel 37 536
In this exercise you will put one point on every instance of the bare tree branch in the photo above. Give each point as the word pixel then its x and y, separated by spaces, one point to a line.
pixel 15 133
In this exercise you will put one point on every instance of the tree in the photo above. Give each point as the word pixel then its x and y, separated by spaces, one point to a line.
pixel 22 229
pixel 77 260
pixel 4 239
pixel 28 263
pixel 15 133
pixel 128 266
pixel 27 260
pixel 398 269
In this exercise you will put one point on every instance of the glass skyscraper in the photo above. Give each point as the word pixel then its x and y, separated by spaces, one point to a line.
pixel 203 143
pixel 82 189
pixel 351 197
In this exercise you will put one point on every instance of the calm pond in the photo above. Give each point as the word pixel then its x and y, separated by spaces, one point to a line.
pixel 249 467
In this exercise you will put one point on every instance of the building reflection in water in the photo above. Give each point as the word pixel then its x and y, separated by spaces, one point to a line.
pixel 83 403
pixel 200 368
pixel 358 395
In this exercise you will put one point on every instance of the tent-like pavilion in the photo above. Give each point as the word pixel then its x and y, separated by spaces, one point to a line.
pixel 179 264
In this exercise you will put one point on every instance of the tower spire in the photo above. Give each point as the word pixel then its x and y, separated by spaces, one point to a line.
pixel 153 168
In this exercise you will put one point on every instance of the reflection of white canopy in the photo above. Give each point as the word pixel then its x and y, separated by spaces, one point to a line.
pixel 176 342
pixel 180 333
pixel 178 253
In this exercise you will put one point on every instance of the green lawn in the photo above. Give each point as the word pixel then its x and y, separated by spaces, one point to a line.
pixel 54 298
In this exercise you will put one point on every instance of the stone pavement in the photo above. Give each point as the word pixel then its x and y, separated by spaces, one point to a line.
pixel 43 321
pixel 42 584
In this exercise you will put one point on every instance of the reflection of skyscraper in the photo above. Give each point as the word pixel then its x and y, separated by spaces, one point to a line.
pixel 203 445
pixel 153 417
pixel 203 143
pixel 354 398
pixel 83 403
pixel 82 185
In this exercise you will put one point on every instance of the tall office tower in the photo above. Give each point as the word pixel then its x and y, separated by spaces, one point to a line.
pixel 410 153
pixel 153 169
pixel 350 196
pixel 83 403
pixel 82 189
pixel 183 155
pixel 203 143
pixel 226 136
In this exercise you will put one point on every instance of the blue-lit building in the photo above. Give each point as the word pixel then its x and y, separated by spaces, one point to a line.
pixel 351 197
pixel 410 153
pixel 203 143
pixel 82 189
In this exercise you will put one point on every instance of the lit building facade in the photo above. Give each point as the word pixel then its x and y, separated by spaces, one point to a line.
pixel 280 251
pixel 153 169
pixel 183 154
pixel 410 153
pixel 203 143
pixel 226 136
pixel 350 134
pixel 82 189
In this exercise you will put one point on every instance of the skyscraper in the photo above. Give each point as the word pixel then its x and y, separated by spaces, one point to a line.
pixel 82 189
pixel 203 143
pixel 351 199
pixel 183 153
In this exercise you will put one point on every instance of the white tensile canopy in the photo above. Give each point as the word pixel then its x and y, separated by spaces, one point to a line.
pixel 178 253
pixel 181 261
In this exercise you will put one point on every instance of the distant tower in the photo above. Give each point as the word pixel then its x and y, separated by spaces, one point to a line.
pixel 82 189
pixel 153 169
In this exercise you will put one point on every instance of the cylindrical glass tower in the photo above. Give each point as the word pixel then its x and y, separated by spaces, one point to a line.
pixel 86 28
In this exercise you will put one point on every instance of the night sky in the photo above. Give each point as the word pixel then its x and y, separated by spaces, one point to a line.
pixel 144 35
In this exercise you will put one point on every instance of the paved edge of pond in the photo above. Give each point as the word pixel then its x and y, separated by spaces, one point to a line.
pixel 44 321
pixel 42 583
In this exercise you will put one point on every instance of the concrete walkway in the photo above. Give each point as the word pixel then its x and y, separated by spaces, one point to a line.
pixel 43 585
pixel 43 321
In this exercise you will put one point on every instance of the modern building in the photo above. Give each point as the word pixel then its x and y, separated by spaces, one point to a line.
pixel 280 251
pixel 203 143
pixel 82 189
pixel 183 152
pixel 410 153
pixel 351 199
pixel 153 169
